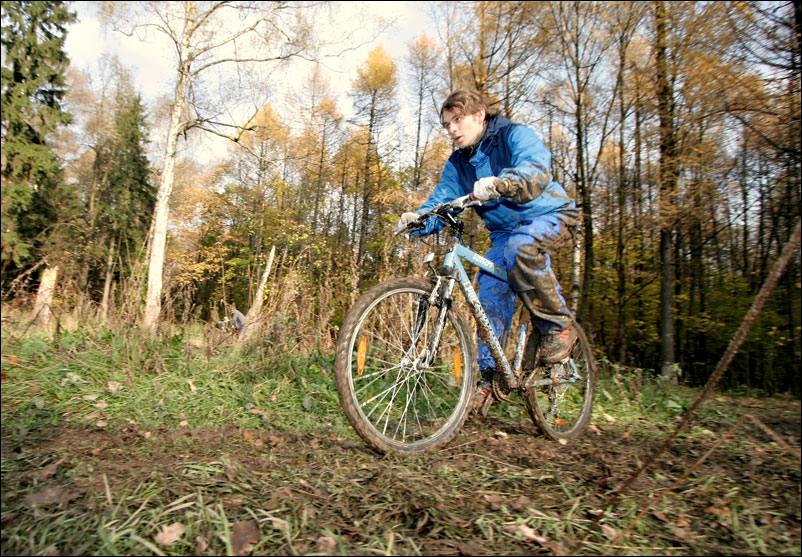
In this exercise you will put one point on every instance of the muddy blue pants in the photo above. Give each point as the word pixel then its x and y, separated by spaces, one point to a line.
pixel 523 253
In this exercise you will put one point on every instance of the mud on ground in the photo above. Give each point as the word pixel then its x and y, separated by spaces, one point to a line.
pixel 498 489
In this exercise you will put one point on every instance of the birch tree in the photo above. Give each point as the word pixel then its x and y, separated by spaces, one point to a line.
pixel 248 39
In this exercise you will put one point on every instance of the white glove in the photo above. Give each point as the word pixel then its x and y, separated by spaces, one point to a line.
pixel 484 189
pixel 403 221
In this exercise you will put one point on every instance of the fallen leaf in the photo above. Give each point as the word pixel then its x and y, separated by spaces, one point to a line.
pixel 723 511
pixel 595 429
pixel 262 413
pixel 183 423
pixel 247 436
pixel 681 533
pixel 278 498
pixel 114 386
pixel 145 434
pixel 50 495
pixel 501 434
pixel 660 516
pixel 192 386
pixel 170 534
pixel 609 531
pixel 563 441
pixel 326 543
pixel 527 533
pixel 521 503
pixel 279 524
pixel 273 440
pixel 471 548
pixel 50 470
pixel 71 377
pixel 101 404
pixel 93 415
pixel 200 545
pixel 102 423
pixel 608 417
pixel 244 534
pixel 12 359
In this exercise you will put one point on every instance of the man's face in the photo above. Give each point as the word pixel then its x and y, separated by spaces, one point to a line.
pixel 464 129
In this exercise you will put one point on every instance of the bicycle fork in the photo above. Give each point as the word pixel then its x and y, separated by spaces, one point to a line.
pixel 443 301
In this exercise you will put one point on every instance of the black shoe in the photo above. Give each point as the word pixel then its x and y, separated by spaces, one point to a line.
pixel 556 346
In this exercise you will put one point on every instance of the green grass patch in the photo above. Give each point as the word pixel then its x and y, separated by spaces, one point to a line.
pixel 118 444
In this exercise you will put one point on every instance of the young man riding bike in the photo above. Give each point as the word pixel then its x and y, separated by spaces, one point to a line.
pixel 508 168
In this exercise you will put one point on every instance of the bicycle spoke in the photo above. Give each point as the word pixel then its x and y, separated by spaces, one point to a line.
pixel 402 394
pixel 562 400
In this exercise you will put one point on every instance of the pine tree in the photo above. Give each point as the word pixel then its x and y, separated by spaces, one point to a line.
pixel 33 86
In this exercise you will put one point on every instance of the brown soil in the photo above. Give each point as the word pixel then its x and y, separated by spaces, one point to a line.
pixel 436 503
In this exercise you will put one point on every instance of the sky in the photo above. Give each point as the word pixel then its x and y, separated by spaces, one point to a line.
pixel 153 63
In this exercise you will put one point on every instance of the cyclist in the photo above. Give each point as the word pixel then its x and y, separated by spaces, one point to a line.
pixel 508 168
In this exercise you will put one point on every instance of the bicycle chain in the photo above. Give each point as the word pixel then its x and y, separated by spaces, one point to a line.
pixel 499 389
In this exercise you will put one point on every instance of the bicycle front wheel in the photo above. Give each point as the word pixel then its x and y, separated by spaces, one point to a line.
pixel 561 408
pixel 397 396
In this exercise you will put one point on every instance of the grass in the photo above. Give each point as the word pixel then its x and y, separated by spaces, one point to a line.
pixel 110 440
pixel 127 378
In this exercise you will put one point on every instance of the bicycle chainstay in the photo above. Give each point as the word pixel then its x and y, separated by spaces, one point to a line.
pixel 559 372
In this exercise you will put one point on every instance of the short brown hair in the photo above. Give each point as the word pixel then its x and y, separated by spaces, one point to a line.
pixel 464 101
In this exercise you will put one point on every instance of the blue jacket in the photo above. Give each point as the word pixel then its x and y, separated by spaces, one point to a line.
pixel 507 150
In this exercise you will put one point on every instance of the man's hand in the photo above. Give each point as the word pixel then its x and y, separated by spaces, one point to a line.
pixel 484 189
pixel 403 221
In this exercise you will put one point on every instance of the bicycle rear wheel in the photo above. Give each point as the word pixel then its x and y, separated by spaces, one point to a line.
pixel 562 409
pixel 396 396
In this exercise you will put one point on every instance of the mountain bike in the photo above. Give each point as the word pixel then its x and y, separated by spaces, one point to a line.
pixel 406 365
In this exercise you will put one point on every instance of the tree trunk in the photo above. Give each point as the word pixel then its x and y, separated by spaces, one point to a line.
pixel 363 229
pixel 253 322
pixel 583 190
pixel 161 215
pixel 104 304
pixel 418 155
pixel 667 181
pixel 621 339
pixel 42 308
pixel 576 266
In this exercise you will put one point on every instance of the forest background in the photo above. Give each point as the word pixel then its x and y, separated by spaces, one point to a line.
pixel 675 124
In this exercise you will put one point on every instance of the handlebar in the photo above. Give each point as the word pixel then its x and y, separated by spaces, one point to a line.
pixel 444 211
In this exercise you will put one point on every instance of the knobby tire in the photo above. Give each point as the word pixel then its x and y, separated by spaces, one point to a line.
pixel 562 412
pixel 392 400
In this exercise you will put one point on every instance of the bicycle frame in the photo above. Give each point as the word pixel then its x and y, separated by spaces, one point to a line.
pixel 454 271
